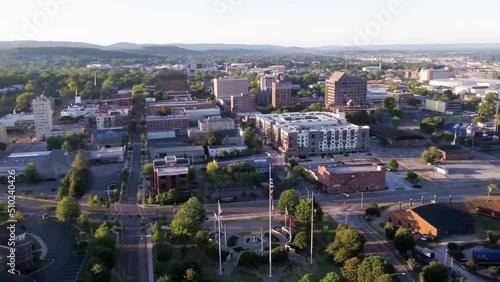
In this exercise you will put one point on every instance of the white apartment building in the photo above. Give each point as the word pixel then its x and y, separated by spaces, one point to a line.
pixel 42 112
pixel 266 82
pixel 313 133
pixel 228 86
pixel 104 121
pixel 215 124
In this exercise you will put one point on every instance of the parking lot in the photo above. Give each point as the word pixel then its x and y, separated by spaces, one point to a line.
pixel 102 175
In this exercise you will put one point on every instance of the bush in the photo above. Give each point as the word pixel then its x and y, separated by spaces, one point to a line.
pixel 212 252
pixel 248 258
pixel 279 255
pixel 232 241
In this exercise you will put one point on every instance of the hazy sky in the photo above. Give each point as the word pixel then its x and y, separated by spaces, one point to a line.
pixel 282 22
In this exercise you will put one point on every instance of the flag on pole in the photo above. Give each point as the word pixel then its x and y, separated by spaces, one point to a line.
pixel 292 223
pixel 271 194
pixel 215 216
pixel 220 210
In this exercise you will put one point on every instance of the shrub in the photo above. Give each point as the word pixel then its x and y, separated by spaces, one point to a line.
pixel 248 258
pixel 232 241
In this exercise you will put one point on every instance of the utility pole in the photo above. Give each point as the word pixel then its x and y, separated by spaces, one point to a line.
pixel 496 119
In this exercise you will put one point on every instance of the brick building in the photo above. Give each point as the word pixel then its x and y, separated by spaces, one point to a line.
pixel 436 220
pixel 342 90
pixel 168 80
pixel 23 247
pixel 243 103
pixel 168 174
pixel 179 123
pixel 281 93
pixel 352 177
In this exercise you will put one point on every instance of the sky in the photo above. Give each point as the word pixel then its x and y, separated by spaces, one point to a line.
pixel 304 23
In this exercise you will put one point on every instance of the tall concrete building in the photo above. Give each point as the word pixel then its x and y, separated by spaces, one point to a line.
pixel 42 112
pixel 169 80
pixel 281 93
pixel 343 90
pixel 266 82
pixel 228 86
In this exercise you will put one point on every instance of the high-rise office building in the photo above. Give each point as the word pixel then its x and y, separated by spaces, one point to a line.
pixel 42 112
pixel 266 82
pixel 281 92
pixel 228 86
pixel 344 90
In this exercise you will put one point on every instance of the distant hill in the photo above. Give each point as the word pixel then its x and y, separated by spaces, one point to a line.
pixel 70 52
pixel 180 49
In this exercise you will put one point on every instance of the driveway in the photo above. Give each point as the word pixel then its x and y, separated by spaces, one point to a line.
pixel 59 240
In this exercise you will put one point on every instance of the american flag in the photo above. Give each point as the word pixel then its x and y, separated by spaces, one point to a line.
pixel 271 194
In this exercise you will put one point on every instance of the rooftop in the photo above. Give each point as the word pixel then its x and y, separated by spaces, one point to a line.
pixel 394 133
pixel 157 117
pixel 171 149
pixel 297 121
pixel 453 148
pixel 46 161
pixel 176 170
pixel 215 119
pixel 340 168
pixel 445 215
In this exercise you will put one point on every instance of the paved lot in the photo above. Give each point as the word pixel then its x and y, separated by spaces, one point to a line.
pixel 102 175
pixel 59 240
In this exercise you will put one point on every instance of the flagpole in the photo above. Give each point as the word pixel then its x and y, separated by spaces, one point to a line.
pixel 290 229
pixel 312 224
pixel 220 253
pixel 270 227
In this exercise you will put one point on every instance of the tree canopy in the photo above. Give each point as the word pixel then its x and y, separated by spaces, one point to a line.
pixel 31 172
pixel 187 220
pixel 434 272
pixel 67 209
pixel 289 199
pixel 374 268
pixel 348 243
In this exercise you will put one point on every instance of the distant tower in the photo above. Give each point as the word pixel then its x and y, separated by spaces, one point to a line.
pixel 380 63
pixel 345 62
pixel 78 99
pixel 42 112
pixel 95 79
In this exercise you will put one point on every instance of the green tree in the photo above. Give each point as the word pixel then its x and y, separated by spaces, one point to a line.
pixel 390 231
pixel 31 172
pixel 434 272
pixel 147 169
pixel 289 199
pixel 303 212
pixel 301 240
pixel 67 209
pixel 493 270
pixel 432 155
pixel 3 146
pixel 348 243
pixel 396 121
pixel 389 103
pixel 18 216
pixel 99 273
pixel 165 278
pixel 211 138
pixel 308 277
pixel 403 240
pixel 493 236
pixel 83 219
pixel 350 269
pixel 374 268
pixel 393 165
pixel 23 101
pixel 331 277
pixel 201 238
pixel 492 187
pixel 187 220
pixel 191 275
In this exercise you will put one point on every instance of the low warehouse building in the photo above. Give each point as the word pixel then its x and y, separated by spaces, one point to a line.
pixel 396 137
pixel 108 155
pixel 50 164
pixel 454 153
pixel 436 220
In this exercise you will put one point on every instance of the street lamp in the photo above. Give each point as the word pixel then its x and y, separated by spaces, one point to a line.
pixel 496 119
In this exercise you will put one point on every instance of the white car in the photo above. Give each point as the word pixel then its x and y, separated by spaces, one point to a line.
pixel 425 238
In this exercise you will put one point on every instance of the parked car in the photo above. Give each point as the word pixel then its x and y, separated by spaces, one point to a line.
pixel 425 238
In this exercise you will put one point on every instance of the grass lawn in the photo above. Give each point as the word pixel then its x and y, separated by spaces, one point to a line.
pixel 319 269
pixel 483 223
pixel 210 274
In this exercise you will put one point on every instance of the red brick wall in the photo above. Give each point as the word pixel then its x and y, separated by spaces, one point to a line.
pixel 369 180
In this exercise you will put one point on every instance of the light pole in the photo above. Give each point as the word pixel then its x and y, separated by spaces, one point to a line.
pixel 362 200
pixel 496 119
pixel 312 225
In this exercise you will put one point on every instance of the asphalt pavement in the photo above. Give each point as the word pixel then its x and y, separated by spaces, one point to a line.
pixel 59 238
pixel 133 258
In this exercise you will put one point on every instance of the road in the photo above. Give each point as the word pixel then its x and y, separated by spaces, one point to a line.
pixel 133 259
